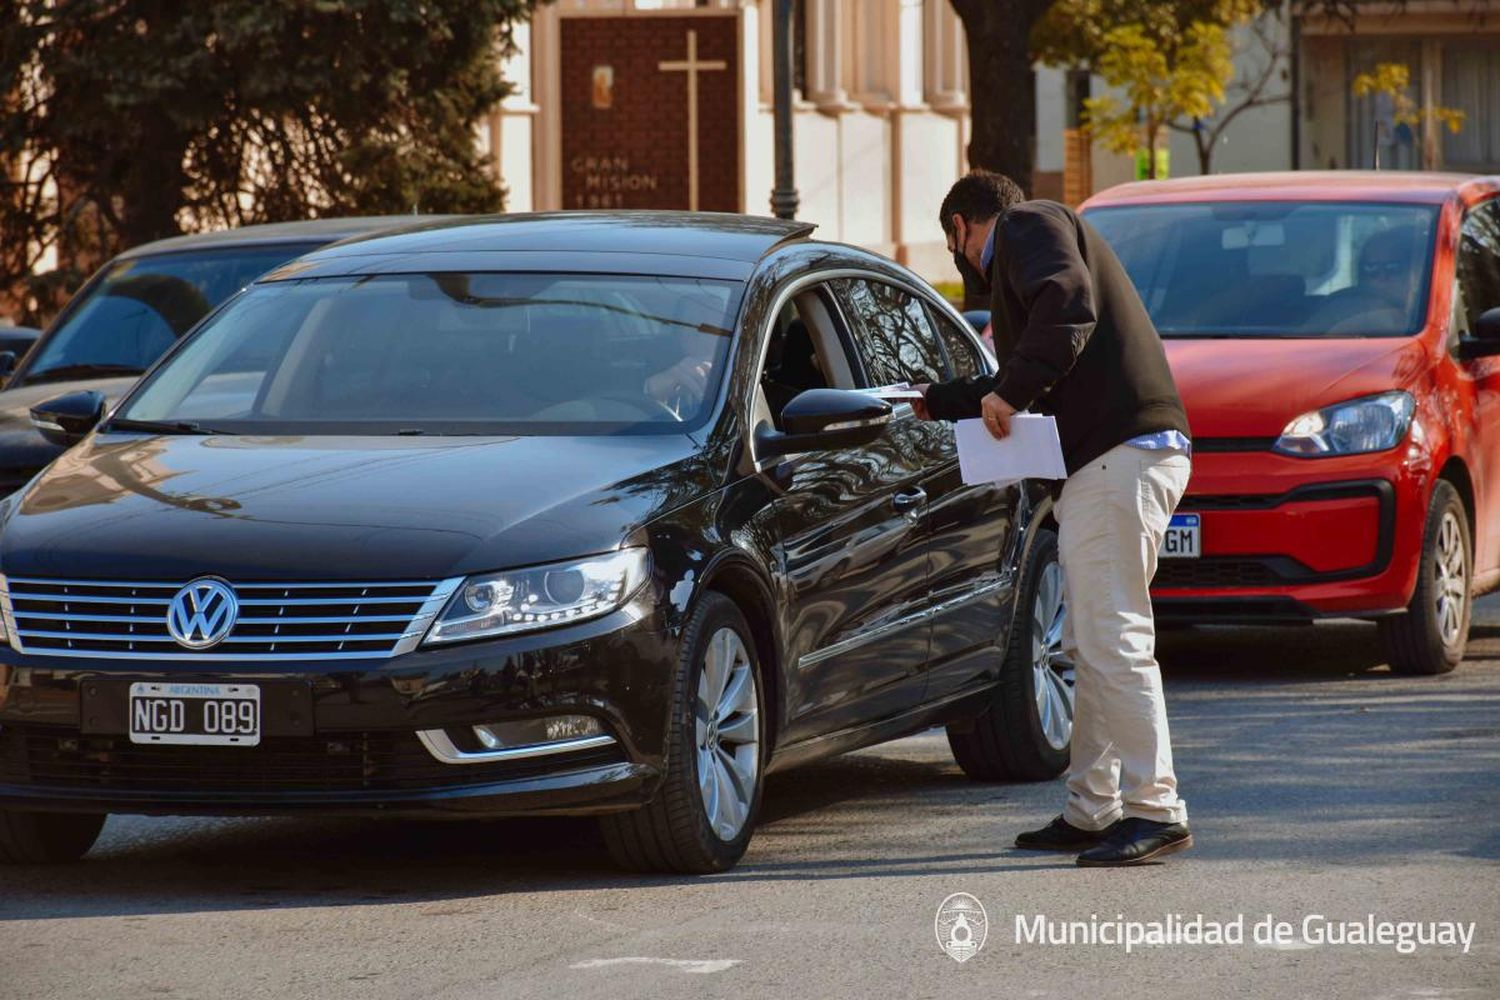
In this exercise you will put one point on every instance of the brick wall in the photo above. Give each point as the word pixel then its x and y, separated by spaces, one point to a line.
pixel 633 153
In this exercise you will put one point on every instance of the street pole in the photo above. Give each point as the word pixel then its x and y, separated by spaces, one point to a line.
pixel 784 194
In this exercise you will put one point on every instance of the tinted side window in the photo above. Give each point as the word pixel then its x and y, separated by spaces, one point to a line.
pixel 1479 260
pixel 963 356
pixel 891 333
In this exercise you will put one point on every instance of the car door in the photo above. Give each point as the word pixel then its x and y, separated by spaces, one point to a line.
pixel 854 561
pixel 972 532
pixel 1478 268
pixel 966 528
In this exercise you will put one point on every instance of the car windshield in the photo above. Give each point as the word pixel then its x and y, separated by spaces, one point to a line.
pixel 138 307
pixel 1276 269
pixel 450 353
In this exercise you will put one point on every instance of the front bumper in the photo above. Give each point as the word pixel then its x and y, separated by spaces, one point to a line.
pixel 342 737
pixel 1286 539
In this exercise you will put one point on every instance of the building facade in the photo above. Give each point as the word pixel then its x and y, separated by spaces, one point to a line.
pixel 1452 53
pixel 1307 115
pixel 667 104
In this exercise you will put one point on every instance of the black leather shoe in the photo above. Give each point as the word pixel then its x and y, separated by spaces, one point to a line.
pixel 1137 841
pixel 1060 835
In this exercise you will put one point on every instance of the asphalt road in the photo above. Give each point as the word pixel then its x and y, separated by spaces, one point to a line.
pixel 1317 782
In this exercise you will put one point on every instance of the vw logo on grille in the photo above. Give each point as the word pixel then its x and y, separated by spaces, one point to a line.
pixel 202 613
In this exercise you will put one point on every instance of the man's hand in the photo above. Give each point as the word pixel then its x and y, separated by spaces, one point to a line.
pixel 919 406
pixel 996 413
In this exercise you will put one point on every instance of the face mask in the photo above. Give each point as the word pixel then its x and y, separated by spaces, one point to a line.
pixel 974 279
pixel 972 276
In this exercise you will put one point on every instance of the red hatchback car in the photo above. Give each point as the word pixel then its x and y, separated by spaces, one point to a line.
pixel 1336 339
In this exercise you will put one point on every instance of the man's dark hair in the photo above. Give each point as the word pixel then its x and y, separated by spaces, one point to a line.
pixel 977 196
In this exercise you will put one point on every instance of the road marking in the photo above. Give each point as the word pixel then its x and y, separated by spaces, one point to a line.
pixel 703 965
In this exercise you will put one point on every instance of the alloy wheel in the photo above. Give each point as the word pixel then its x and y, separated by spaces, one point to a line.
pixel 1450 580
pixel 727 714
pixel 1052 672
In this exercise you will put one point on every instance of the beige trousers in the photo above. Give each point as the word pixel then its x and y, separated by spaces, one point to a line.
pixel 1111 517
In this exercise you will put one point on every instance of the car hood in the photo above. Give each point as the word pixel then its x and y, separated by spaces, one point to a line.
pixel 1254 388
pixel 23 450
pixel 323 508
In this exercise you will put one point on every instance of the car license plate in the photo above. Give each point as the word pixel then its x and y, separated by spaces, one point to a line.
pixel 197 714
pixel 1182 540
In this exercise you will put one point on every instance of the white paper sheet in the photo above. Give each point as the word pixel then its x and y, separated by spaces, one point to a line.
pixel 1032 451
pixel 898 392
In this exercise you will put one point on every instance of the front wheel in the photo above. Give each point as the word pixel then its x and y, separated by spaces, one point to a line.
pixel 32 838
pixel 703 815
pixel 1429 638
pixel 1025 731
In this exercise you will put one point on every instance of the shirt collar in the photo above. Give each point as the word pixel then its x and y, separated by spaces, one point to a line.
pixel 988 253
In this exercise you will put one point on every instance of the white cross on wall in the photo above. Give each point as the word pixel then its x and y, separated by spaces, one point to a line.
pixel 692 67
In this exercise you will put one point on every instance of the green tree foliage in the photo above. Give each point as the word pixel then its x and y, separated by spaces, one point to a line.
pixel 130 120
pixel 1075 33
pixel 1170 61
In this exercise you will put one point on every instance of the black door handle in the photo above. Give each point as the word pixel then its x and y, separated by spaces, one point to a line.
pixel 910 499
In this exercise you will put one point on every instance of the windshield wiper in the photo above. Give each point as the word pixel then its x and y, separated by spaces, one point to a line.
pixel 64 372
pixel 159 426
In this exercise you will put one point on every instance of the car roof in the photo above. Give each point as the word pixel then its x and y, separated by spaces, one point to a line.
pixel 710 234
pixel 313 232
pixel 1304 185
pixel 703 244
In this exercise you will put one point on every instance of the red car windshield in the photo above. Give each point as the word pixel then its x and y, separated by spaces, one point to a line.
pixel 1276 269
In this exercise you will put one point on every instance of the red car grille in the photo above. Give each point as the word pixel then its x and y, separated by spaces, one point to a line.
pixel 1214 572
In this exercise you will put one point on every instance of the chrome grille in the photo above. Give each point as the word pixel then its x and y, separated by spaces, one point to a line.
pixel 114 619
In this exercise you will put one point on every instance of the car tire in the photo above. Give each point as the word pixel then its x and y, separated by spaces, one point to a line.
pixel 33 838
pixel 1025 731
pixel 1430 636
pixel 702 817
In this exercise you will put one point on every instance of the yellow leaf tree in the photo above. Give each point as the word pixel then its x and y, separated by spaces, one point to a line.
pixel 1393 80
pixel 1158 84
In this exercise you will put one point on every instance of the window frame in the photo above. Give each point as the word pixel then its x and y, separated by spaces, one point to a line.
pixel 754 399
pixel 1462 325
pixel 945 368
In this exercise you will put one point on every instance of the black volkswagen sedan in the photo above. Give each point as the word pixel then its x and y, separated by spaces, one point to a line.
pixel 589 514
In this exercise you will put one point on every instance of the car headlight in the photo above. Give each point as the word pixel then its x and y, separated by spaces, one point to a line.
pixel 1372 423
pixel 524 600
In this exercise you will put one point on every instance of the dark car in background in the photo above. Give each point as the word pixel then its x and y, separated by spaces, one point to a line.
pixel 15 341
pixel 133 309
pixel 575 513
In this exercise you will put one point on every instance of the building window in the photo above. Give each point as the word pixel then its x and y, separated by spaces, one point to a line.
pixel 1372 121
pixel 1479 263
pixel 1471 83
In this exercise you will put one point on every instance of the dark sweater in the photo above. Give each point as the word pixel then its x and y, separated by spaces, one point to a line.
pixel 1072 336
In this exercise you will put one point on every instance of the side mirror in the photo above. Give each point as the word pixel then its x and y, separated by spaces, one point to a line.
pixel 7 363
pixel 1484 340
pixel 65 420
pixel 1487 327
pixel 820 419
